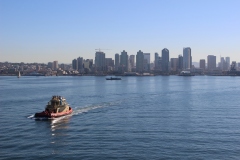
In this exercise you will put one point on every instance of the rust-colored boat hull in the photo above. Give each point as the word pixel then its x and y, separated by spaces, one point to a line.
pixel 46 114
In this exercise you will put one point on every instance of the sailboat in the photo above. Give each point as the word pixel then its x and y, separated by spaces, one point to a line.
pixel 19 74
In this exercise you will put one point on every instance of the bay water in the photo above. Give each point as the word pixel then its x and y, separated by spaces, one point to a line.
pixel 156 117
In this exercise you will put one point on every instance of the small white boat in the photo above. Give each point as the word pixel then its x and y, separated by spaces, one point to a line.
pixel 19 74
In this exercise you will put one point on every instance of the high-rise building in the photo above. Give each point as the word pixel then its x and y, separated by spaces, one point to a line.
pixel 211 62
pixel 75 64
pixel 233 66
pixel 100 61
pixel 55 65
pixel 165 60
pixel 187 58
pixel 124 61
pixel 63 66
pixel 139 61
pixel 132 61
pixel 146 66
pixel 202 64
pixel 228 62
pixel 80 63
pixel 50 65
pixel 109 62
pixel 180 62
pixel 87 65
pixel 156 58
pixel 90 63
pixel 174 64
pixel 117 61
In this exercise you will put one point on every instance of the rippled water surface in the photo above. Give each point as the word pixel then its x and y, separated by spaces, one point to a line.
pixel 161 117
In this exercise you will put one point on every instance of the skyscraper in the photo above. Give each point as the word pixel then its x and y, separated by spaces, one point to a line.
pixel 139 61
pixel 228 62
pixel 132 61
pixel 187 58
pixel 100 61
pixel 146 65
pixel 50 65
pixel 55 65
pixel 117 61
pixel 80 63
pixel 202 64
pixel 124 61
pixel 211 62
pixel 75 64
pixel 165 60
pixel 174 64
pixel 180 62
pixel 156 57
pixel 109 62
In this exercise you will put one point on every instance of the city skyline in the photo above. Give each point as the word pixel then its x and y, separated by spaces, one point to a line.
pixel 43 31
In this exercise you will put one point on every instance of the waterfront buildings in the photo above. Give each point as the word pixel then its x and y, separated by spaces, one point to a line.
pixel 75 64
pixel 202 64
pixel 55 65
pixel 156 58
pixel 180 62
pixel 187 58
pixel 80 64
pixel 124 61
pixel 165 60
pixel 146 62
pixel 117 61
pixel 139 61
pixel 228 62
pixel 50 65
pixel 132 62
pixel 174 64
pixel 109 64
pixel 100 61
pixel 211 62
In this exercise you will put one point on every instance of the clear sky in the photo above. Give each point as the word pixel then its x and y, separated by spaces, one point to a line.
pixel 48 30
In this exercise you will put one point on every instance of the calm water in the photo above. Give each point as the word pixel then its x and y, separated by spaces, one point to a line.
pixel 162 117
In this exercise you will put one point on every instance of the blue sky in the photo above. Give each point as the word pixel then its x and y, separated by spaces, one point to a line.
pixel 48 30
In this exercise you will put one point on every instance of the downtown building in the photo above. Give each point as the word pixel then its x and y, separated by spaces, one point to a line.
pixel 202 64
pixel 131 62
pixel 165 60
pixel 80 64
pixel 146 62
pixel 180 63
pixel 124 61
pixel 55 65
pixel 100 62
pixel 174 64
pixel 117 62
pixel 211 62
pixel 139 62
pixel 109 64
pixel 187 58
pixel 75 64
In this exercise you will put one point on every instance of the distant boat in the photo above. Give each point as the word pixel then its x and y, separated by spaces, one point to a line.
pixel 113 78
pixel 186 73
pixel 34 74
pixel 19 74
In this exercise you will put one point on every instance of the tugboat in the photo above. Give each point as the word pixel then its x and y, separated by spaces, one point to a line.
pixel 56 107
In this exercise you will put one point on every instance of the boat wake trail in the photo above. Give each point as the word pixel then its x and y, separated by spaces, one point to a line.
pixel 79 110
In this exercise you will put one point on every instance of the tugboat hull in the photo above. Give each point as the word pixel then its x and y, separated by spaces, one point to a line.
pixel 46 114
